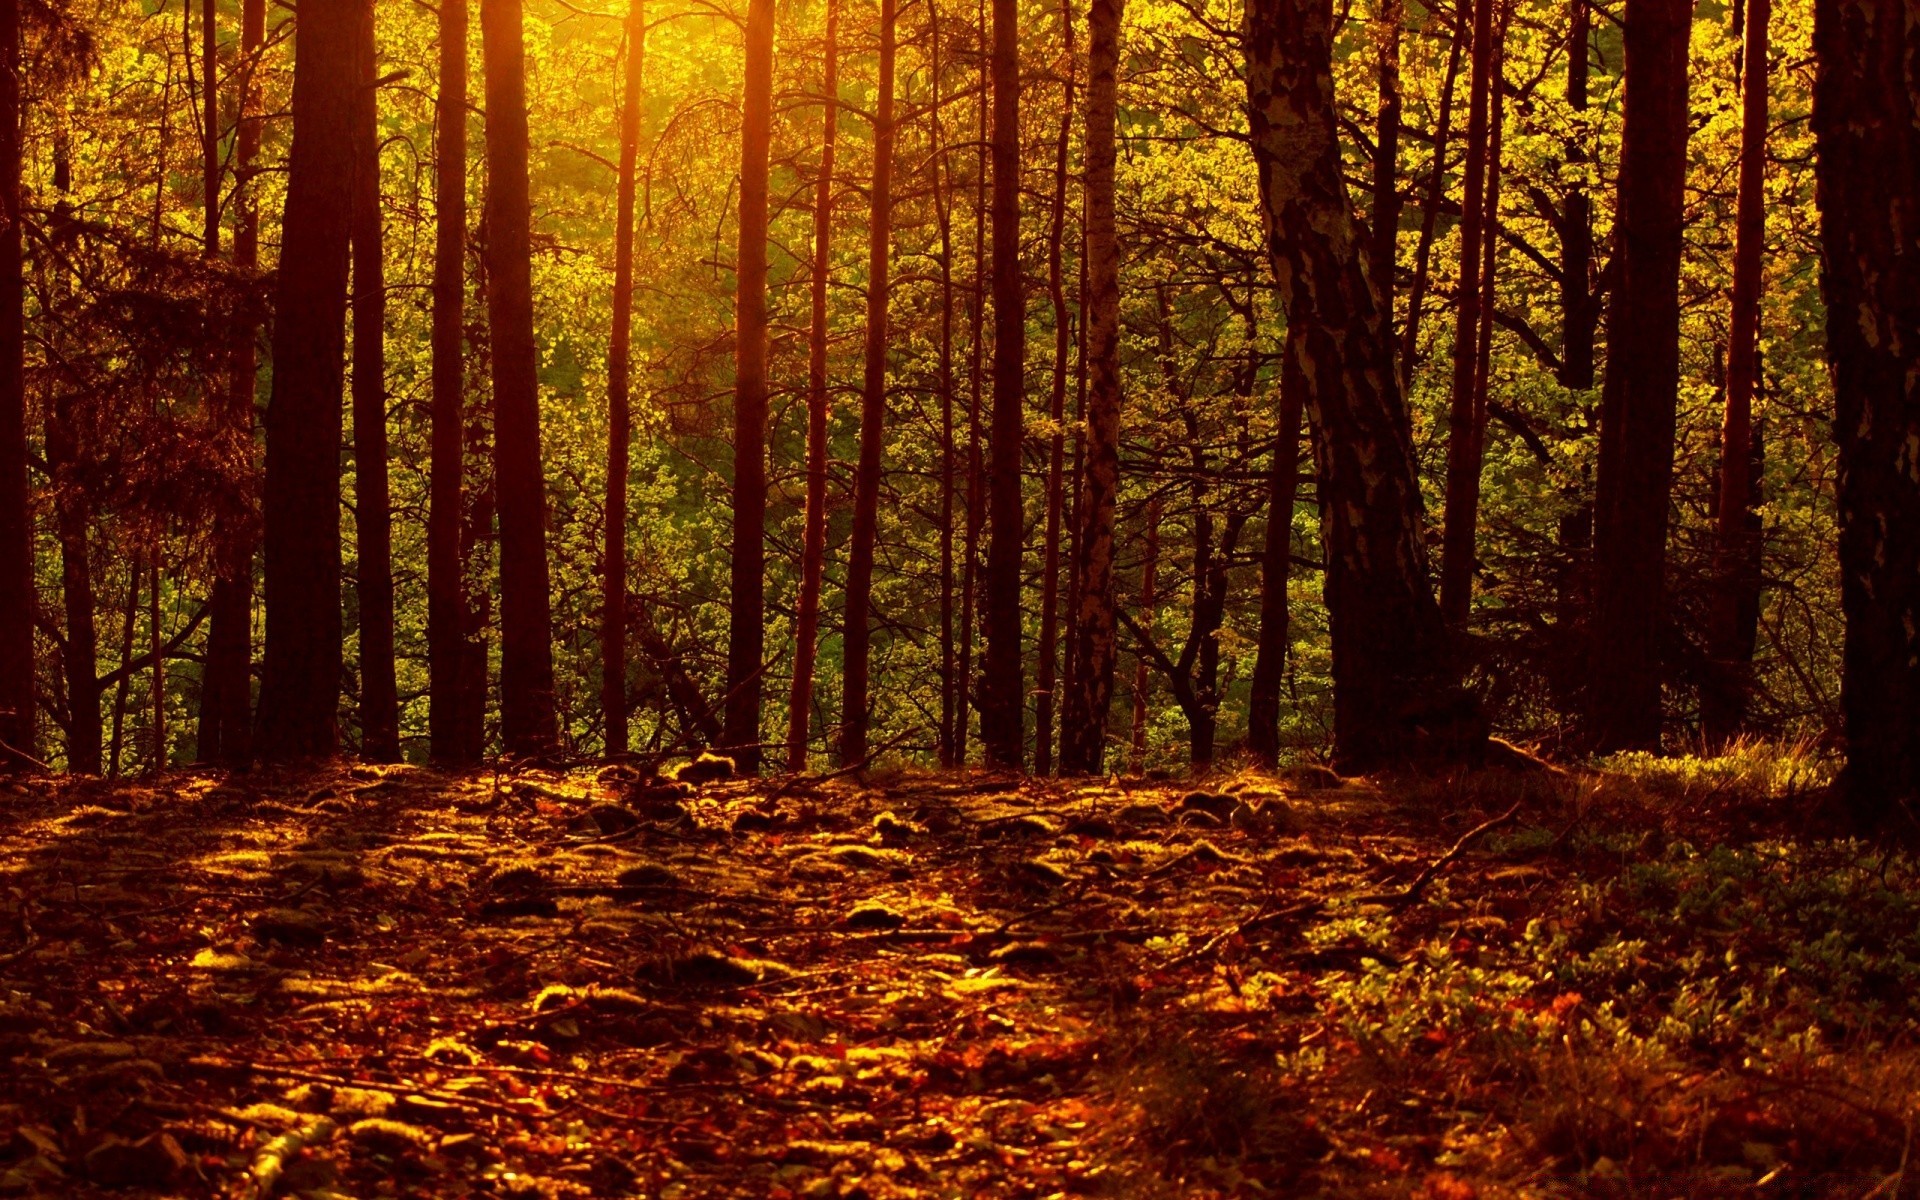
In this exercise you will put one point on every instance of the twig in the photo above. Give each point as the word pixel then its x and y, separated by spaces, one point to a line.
pixel 1419 885
pixel 304 1076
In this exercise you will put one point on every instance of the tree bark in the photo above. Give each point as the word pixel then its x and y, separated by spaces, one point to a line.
pixel 1057 413
pixel 373 516
pixel 1640 392
pixel 447 649
pixel 856 644
pixel 1396 692
pixel 1866 119
pixel 613 565
pixel 1577 309
pixel 976 460
pixel 1002 686
pixel 1142 678
pixel 1083 733
pixel 16 516
pixel 80 655
pixel 1723 702
pixel 950 673
pixel 300 675
pixel 1386 156
pixel 1276 568
pixel 746 626
pixel 527 721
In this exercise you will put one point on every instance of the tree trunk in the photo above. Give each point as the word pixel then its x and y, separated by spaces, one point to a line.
pixel 1723 702
pixel 1142 678
pixel 1463 461
pixel 1396 692
pixel 373 517
pixel 1640 392
pixel 527 721
pixel 976 461
pixel 1002 686
pixel 16 516
pixel 1577 309
pixel 1866 118
pixel 746 626
pixel 157 680
pixel 447 649
pixel 1386 157
pixel 950 674
pixel 300 676
pixel 1429 220
pixel 80 656
pixel 225 733
pixel 613 565
pixel 1057 412
pixel 873 414
pixel 1276 568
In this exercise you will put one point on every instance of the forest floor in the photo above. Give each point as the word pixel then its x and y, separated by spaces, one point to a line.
pixel 395 982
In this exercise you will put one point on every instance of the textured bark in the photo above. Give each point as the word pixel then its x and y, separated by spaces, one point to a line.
pixel 527 722
pixel 1083 731
pixel 447 652
pixel 1396 693
pixel 1045 699
pixel 857 643
pixel 372 509
pixel 613 563
pixel 300 672
pixel 1002 686
pixel 1579 315
pixel 16 518
pixel 1640 392
pixel 1276 569
pixel 746 624
pixel 1142 677
pixel 225 733
pixel 1463 424
pixel 813 553
pixel 1723 701
pixel 1866 119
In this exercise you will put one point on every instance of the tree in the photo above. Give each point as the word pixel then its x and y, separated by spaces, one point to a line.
pixel 1736 602
pixel 746 614
pixel 1002 699
pixel 449 698
pixel 1396 694
pixel 813 553
pixel 1083 730
pixel 613 566
pixel 856 644
pixel 1866 117
pixel 527 720
pixel 1578 309
pixel 1276 568
pixel 1641 388
pixel 1057 419
pixel 372 508
pixel 16 514
pixel 300 671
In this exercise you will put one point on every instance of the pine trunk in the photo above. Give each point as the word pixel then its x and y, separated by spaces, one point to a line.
pixel 16 514
pixel 1142 677
pixel 1386 157
pixel 613 564
pixel 1057 413
pixel 1578 312
pixel 449 672
pixel 1276 569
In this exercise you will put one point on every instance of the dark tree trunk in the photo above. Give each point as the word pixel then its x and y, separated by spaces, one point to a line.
pixel 813 553
pixel 527 722
pixel 1142 678
pixel 1045 700
pixel 1723 702
pixel 857 642
pixel 613 564
pixel 373 518
pixel 1386 157
pixel 1084 726
pixel 1430 217
pixel 300 677
pixel 1578 313
pixel 976 460
pixel 1866 118
pixel 746 625
pixel 1396 692
pixel 1639 395
pixel 1276 568
pixel 16 516
pixel 1002 687
pixel 950 674
pixel 80 655
pixel 450 675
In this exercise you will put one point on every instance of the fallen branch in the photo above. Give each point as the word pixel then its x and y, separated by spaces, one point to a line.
pixel 1412 894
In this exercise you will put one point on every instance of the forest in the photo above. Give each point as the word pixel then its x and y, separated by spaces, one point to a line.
pixel 796 598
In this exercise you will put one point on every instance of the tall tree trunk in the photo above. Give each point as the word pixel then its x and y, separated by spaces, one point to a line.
pixel 1866 118
pixel 209 131
pixel 449 675
pixel 225 733
pixel 856 642
pixel 80 655
pixel 1723 703
pixel 1057 412
pixel 746 624
pixel 16 517
pixel 1276 567
pixel 950 674
pixel 300 676
pixel 1430 217
pixel 1083 732
pixel 157 676
pixel 1463 463
pixel 1386 156
pixel 813 553
pixel 130 614
pixel 1142 678
pixel 976 461
pixel 1577 309
pixel 1002 687
pixel 1396 692
pixel 527 721
pixel 1640 393
pixel 613 565
pixel 372 510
